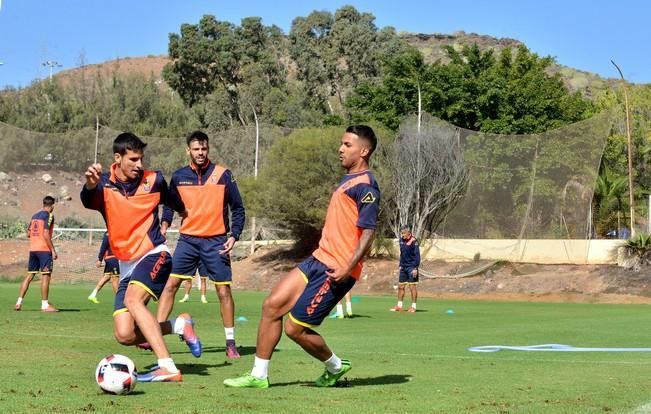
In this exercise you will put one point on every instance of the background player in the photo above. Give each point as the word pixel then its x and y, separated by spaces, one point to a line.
pixel 41 254
pixel 111 268
pixel 409 263
pixel 209 192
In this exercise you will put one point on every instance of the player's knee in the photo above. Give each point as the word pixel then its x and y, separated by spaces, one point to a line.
pixel 124 336
pixel 224 293
pixel 270 308
pixel 292 330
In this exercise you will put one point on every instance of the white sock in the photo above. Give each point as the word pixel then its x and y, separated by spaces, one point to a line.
pixel 400 304
pixel 349 307
pixel 186 297
pixel 178 325
pixel 230 333
pixel 260 368
pixel 333 364
pixel 340 309
pixel 19 301
pixel 168 364
pixel 413 305
pixel 44 304
pixel 93 293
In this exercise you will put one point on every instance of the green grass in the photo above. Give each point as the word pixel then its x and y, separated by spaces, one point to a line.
pixel 411 363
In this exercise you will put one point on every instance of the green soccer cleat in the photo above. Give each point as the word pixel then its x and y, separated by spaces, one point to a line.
pixel 93 299
pixel 328 379
pixel 247 381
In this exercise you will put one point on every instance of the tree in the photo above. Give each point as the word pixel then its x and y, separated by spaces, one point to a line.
pixel 216 56
pixel 335 53
pixel 429 175
pixel 511 94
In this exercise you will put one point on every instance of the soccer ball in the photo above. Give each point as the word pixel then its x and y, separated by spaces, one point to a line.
pixel 116 374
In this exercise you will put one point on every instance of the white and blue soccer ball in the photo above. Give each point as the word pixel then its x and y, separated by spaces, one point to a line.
pixel 116 374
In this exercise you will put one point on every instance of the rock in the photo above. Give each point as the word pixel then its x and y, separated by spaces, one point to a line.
pixel 4 177
pixel 46 178
pixel 13 191
pixel 66 198
pixel 500 286
pixel 64 192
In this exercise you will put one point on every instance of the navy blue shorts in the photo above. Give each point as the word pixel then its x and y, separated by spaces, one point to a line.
pixel 40 262
pixel 150 274
pixel 406 277
pixel 320 296
pixel 203 253
pixel 112 267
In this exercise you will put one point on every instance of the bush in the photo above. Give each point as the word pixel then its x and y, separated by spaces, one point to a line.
pixel 640 247
pixel 11 227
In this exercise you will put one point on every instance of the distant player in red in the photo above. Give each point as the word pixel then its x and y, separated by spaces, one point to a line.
pixel 214 223
pixel 310 291
pixel 128 198
pixel 41 254
pixel 111 269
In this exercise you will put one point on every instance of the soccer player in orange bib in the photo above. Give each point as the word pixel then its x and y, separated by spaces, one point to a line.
pixel 209 192
pixel 310 291
pixel 41 254
pixel 128 197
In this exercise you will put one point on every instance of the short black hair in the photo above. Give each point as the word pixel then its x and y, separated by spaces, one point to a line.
pixel 127 141
pixel 196 136
pixel 48 201
pixel 366 133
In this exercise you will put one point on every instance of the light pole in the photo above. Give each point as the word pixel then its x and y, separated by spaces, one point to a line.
pixel 51 64
pixel 630 154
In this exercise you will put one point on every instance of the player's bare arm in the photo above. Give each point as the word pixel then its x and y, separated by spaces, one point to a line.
pixel 365 241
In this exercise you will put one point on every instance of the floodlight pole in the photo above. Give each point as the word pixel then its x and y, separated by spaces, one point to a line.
pixel 51 64
pixel 630 151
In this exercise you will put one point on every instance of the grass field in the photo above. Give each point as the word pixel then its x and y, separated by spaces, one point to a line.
pixel 412 363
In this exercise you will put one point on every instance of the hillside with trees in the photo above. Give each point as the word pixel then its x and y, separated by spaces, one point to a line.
pixel 330 70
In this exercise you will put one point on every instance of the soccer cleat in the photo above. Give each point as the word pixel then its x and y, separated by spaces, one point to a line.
pixel 231 350
pixel 184 299
pixel 328 379
pixel 189 336
pixel 340 316
pixel 93 299
pixel 49 308
pixel 204 300
pixel 349 314
pixel 396 309
pixel 144 346
pixel 18 306
pixel 412 309
pixel 247 381
pixel 160 375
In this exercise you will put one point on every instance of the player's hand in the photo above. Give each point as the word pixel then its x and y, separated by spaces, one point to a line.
pixel 414 272
pixel 98 263
pixel 337 275
pixel 228 246
pixel 163 228
pixel 92 175
pixel 55 256
pixel 184 215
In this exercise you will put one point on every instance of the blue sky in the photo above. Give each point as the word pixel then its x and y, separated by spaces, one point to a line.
pixel 582 34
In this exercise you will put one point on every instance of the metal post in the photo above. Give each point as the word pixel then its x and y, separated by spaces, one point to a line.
pixel 255 173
